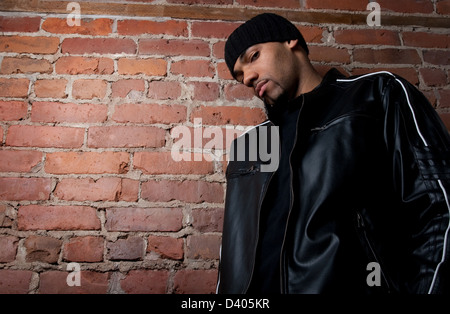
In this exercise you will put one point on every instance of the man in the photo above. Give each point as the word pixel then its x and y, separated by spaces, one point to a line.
pixel 359 202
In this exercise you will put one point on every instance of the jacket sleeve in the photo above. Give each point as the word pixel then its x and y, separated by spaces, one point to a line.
pixel 419 145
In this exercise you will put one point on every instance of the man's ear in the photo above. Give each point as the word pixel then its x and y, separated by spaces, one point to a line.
pixel 292 43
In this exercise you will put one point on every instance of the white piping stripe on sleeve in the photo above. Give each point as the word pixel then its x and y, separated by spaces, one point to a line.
pixel 444 249
pixel 446 235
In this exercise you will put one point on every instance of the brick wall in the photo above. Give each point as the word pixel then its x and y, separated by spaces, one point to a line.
pixel 87 115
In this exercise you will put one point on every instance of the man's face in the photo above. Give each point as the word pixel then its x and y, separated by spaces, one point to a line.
pixel 271 69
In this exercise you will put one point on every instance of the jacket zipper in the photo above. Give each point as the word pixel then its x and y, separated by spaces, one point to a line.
pixel 282 270
pixel 362 227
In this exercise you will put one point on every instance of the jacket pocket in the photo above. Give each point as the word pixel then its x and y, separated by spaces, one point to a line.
pixel 247 170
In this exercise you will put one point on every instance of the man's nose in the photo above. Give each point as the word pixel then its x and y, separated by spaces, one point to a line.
pixel 250 78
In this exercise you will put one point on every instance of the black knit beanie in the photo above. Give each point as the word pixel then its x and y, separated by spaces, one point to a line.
pixel 266 27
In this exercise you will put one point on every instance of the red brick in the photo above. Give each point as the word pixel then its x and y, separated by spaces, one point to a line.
pixel 15 281
pixel 37 217
pixel 163 163
pixel 98 45
pixel 100 26
pixel 14 87
pixel 50 88
pixel 137 27
pixel 19 24
pixel 205 91
pixel 55 282
pixel 386 56
pixel 68 112
pixel 444 98
pixel 174 47
pixel 407 6
pixel 145 282
pixel 13 110
pixel 126 136
pixel 187 191
pixel 366 37
pixel 103 189
pixel 208 220
pixel 223 115
pixel 223 72
pixel 84 65
pixel 427 40
pixel 20 189
pixel 164 90
pixel 9 246
pixel 446 119
pixel 203 246
pixel 336 5
pixel 238 92
pixel 42 249
pixel 166 247
pixel 87 162
pixel 313 34
pixel 433 77
pixel 6 216
pixel 443 7
pixel 193 68
pixel 19 161
pixel 144 219
pixel 129 249
pixel 28 44
pixel 44 136
pixel 329 54
pixel 11 65
pixel 216 2
pixel 142 66
pixel 292 4
pixel 213 29
pixel 192 281
pixel 84 249
pixel 219 50
pixel 438 57
pixel 150 113
pixel 128 88
pixel 89 88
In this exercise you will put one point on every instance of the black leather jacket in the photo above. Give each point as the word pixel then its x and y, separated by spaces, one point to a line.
pixel 370 176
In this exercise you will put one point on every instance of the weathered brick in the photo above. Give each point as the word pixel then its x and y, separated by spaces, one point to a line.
pixel 213 29
pixel 222 115
pixel 89 88
pixel 42 249
pixel 98 45
pixel 68 112
pixel 164 90
pixel 406 6
pixel 84 65
pixel 15 281
pixel 195 281
pixel 144 219
pixel 163 163
pixel 126 136
pixel 11 65
pixel 19 24
pixel 87 162
pixel 438 57
pixel 28 44
pixel 174 47
pixel 132 88
pixel 44 136
pixel 208 220
pixel 238 92
pixel 166 247
pixel 203 246
pixel 427 40
pixel 443 7
pixel 14 87
pixel 205 91
pixel 150 113
pixel 367 37
pixel 9 246
pixel 13 110
pixel 333 5
pixel 55 282
pixel 37 217
pixel 103 189
pixel 386 56
pixel 193 68
pixel 151 66
pixel 293 4
pixel 187 191
pixel 50 88
pixel 98 26
pixel 20 189
pixel 145 282
pixel 329 54
pixel 433 77
pixel 19 160
pixel 130 249
pixel 137 27
pixel 84 249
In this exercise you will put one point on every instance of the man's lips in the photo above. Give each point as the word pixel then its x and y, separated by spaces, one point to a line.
pixel 261 87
